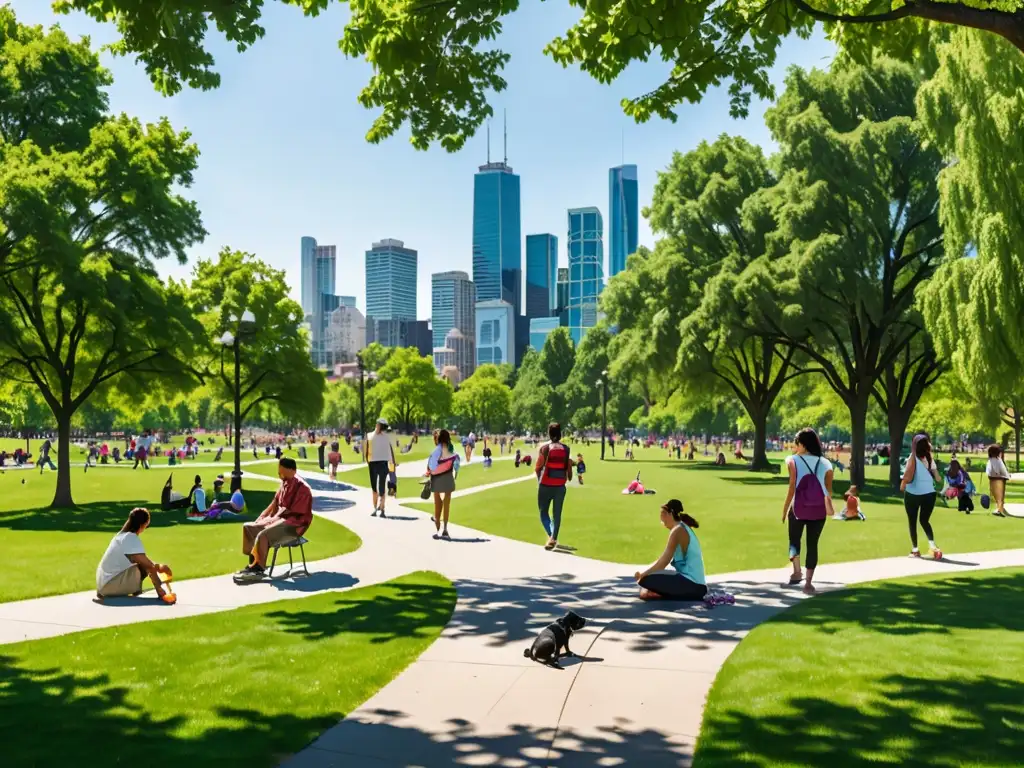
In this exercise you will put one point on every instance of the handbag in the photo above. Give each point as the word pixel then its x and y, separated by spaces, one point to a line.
pixel 425 492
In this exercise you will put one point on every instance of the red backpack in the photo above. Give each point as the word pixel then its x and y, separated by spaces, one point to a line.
pixel 809 502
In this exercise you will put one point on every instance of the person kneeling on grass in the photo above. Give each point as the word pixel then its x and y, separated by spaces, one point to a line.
pixel 125 565
pixel 286 518
pixel 682 552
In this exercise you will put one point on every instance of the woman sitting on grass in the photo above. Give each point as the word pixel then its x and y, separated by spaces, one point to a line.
pixel 682 552
pixel 125 565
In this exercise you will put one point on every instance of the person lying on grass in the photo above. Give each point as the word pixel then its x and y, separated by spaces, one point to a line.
pixel 682 551
pixel 125 564
pixel 286 518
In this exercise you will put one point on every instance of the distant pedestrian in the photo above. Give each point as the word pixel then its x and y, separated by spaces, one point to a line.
pixel 333 460
pixel 378 452
pixel 998 474
pixel 553 470
pixel 320 450
pixel 442 469
pixel 44 456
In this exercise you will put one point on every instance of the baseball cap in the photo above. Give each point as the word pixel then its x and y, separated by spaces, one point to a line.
pixel 382 421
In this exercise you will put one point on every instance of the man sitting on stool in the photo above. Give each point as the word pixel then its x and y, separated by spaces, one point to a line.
pixel 286 518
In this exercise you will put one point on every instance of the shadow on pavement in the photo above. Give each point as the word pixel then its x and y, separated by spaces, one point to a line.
pixel 317 581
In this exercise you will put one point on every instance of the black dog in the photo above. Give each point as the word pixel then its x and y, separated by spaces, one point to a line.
pixel 546 648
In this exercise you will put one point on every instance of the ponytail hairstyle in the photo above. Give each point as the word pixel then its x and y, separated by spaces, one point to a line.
pixel 995 451
pixel 809 439
pixel 675 508
pixel 137 519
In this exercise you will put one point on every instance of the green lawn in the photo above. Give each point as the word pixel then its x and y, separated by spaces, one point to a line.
pixel 927 671
pixel 50 552
pixel 242 688
pixel 740 515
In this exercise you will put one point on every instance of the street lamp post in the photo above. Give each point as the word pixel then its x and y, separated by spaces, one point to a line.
pixel 245 324
pixel 603 382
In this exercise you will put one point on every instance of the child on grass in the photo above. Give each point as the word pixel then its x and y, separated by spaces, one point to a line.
pixel 853 510
pixel 581 468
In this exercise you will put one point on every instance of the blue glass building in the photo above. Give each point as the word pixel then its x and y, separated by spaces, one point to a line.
pixel 623 213
pixel 497 238
pixel 390 282
pixel 540 327
pixel 586 269
pixel 541 275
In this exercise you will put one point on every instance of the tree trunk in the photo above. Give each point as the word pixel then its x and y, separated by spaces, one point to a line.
pixel 1016 433
pixel 62 495
pixel 898 419
pixel 760 461
pixel 858 440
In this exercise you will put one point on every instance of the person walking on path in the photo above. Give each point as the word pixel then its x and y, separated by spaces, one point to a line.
pixel 142 447
pixel 919 495
pixel 554 470
pixel 286 518
pixel 378 452
pixel 44 456
pixel 998 474
pixel 683 553
pixel 469 444
pixel 808 503
pixel 333 460
pixel 442 469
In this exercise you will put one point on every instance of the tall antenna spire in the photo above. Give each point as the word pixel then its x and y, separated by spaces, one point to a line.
pixel 504 114
pixel 488 142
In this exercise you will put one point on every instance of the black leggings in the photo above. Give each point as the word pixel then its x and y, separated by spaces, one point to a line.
pixel 796 529
pixel 672 586
pixel 924 504
pixel 379 477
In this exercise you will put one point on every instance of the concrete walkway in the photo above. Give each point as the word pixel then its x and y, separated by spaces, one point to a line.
pixel 635 696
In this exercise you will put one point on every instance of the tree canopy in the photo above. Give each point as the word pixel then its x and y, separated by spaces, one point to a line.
pixel 436 63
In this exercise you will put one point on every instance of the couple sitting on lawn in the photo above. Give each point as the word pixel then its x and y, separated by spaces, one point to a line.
pixel 195 502
pixel 125 564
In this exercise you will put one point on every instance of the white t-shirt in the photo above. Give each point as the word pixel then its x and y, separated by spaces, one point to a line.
pixel 115 559
pixel 380 447
pixel 996 468
pixel 819 465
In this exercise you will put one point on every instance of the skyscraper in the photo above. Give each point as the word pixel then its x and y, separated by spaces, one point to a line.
pixel 497 239
pixel 586 273
pixel 326 268
pixel 317 270
pixel 541 275
pixel 453 296
pixel 623 213
pixel 495 332
pixel 390 282
pixel 307 275
pixel 562 294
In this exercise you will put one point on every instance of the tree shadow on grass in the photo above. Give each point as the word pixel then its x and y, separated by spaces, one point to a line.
pixel 111 515
pixel 899 720
pixel 936 606
pixel 52 716
pixel 401 611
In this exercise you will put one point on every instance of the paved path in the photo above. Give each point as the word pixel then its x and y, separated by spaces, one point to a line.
pixel 635 697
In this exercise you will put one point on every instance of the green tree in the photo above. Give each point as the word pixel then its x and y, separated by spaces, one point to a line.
pixel 435 64
pixel 183 418
pixel 341 405
pixel 975 304
pixel 531 396
pixel 85 311
pixel 410 390
pixel 483 400
pixel 556 360
pixel 273 354
pixel 858 233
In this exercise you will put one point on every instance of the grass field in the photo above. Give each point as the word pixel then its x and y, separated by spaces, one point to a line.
pixel 927 671
pixel 50 552
pixel 740 515
pixel 244 687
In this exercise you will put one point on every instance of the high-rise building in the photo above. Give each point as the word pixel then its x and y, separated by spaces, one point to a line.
pixel 400 333
pixel 562 292
pixel 344 335
pixel 540 327
pixel 541 275
pixel 495 332
pixel 453 297
pixel 586 274
pixel 623 217
pixel 318 266
pixel 497 239
pixel 390 283
pixel 307 275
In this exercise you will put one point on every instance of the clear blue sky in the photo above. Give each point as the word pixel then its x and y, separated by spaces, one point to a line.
pixel 284 155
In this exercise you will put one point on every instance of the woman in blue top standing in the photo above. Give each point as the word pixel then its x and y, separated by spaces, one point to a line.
pixel 919 493
pixel 686 581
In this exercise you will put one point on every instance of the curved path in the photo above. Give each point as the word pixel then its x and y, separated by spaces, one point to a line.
pixel 635 697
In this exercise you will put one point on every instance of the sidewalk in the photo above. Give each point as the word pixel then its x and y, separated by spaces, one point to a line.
pixel 634 697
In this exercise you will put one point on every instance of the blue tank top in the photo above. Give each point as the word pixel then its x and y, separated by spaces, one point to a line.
pixel 923 482
pixel 690 563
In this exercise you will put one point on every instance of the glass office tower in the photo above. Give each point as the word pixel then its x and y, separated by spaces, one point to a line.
pixel 541 275
pixel 623 213
pixel 586 269
pixel 497 249
pixel 390 282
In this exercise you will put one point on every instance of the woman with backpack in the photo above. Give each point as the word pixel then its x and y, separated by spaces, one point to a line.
pixel 918 488
pixel 808 503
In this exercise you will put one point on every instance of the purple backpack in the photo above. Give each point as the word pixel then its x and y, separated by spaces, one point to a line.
pixel 809 502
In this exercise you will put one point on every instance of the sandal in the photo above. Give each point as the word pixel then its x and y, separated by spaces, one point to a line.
pixel 795 579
